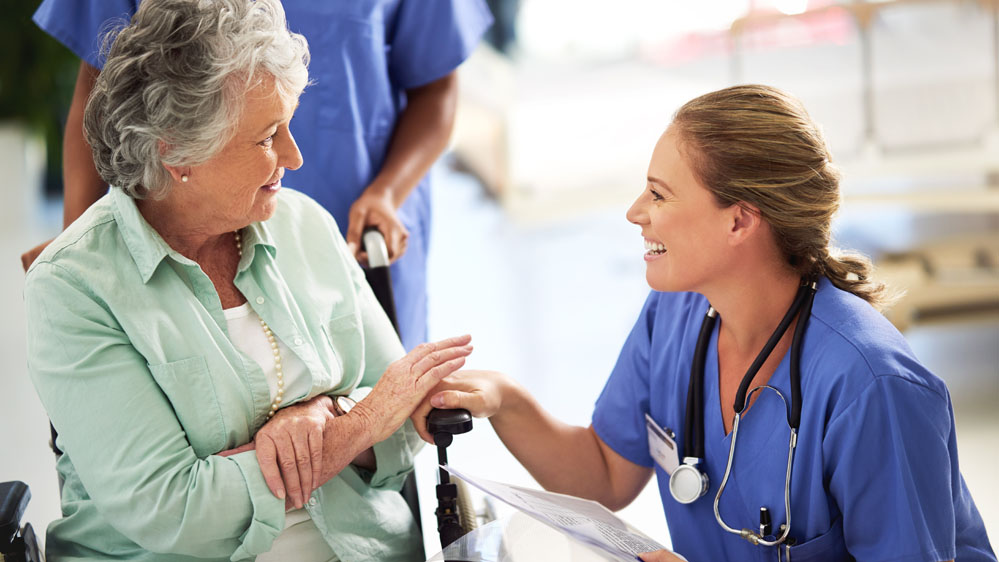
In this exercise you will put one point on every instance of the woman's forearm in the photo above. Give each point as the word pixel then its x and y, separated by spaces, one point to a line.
pixel 563 458
pixel 348 439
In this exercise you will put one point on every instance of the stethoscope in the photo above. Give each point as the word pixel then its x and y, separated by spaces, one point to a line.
pixel 688 482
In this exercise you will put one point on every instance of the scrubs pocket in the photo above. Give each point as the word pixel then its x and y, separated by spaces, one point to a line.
pixel 827 547
pixel 188 385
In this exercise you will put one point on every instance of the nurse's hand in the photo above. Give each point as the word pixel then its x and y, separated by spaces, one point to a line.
pixel 662 556
pixel 480 392
pixel 376 208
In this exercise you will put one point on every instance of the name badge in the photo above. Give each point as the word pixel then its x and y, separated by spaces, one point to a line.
pixel 662 447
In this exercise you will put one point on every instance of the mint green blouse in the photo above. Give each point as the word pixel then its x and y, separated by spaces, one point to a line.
pixel 129 352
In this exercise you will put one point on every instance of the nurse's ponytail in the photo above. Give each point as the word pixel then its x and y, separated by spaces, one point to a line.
pixel 757 144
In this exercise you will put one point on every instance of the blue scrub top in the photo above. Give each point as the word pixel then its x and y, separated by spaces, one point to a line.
pixel 365 55
pixel 875 473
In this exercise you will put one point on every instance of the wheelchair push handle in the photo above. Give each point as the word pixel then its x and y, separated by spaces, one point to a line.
pixel 377 273
pixel 373 242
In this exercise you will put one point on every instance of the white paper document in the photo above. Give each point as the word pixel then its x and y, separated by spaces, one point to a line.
pixel 584 520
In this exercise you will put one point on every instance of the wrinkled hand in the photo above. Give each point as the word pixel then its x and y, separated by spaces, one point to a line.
pixel 376 209
pixel 29 257
pixel 479 392
pixel 252 446
pixel 290 449
pixel 407 381
pixel 661 556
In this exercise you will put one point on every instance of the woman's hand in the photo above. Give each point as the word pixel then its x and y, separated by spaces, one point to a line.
pixel 375 208
pixel 290 449
pixel 662 556
pixel 479 392
pixel 406 382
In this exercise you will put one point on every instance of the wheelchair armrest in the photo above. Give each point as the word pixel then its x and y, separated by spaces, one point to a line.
pixel 14 497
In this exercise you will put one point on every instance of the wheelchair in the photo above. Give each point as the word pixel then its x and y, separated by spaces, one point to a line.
pixel 455 516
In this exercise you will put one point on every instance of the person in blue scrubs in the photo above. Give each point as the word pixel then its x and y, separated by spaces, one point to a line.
pixel 377 115
pixel 736 212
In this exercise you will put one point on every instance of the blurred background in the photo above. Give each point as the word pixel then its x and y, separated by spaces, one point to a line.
pixel 531 252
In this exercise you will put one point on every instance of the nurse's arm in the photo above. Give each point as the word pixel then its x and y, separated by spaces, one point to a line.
pixel 563 458
pixel 83 185
pixel 421 135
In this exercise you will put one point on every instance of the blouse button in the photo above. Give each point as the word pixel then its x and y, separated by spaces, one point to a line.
pixel 299 341
pixel 260 300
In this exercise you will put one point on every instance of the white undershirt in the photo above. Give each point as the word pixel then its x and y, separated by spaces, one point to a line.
pixel 300 540
pixel 248 336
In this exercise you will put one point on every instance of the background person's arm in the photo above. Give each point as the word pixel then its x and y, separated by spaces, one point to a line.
pixel 421 135
pixel 563 458
pixel 82 186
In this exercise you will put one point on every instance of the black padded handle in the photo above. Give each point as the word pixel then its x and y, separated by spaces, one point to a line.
pixel 444 424
pixel 14 497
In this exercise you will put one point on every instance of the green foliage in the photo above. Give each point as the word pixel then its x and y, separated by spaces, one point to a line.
pixel 37 75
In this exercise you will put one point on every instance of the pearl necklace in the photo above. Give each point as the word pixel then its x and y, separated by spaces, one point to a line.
pixel 274 345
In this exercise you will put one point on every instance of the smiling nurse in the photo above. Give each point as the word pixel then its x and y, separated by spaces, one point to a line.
pixel 850 432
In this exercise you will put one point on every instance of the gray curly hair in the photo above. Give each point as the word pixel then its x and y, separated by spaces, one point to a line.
pixel 173 86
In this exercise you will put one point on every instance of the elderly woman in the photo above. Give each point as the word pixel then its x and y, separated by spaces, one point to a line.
pixel 757 331
pixel 196 334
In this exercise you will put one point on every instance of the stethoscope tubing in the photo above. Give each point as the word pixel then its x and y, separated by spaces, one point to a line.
pixel 748 534
pixel 775 337
pixel 801 307
pixel 693 432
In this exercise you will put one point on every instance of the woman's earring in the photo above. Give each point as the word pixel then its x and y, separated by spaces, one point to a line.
pixel 183 178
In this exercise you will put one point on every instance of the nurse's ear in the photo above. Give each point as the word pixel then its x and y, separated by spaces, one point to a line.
pixel 745 222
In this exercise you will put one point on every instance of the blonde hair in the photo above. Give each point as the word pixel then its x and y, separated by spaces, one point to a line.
pixel 757 145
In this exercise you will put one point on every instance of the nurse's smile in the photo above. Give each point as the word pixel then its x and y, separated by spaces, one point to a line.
pixel 653 250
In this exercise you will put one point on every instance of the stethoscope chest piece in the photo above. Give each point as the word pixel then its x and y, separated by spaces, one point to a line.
pixel 687 483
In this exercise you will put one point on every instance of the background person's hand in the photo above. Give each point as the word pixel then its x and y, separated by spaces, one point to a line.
pixel 479 392
pixel 407 381
pixel 376 209
pixel 29 257
pixel 290 449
